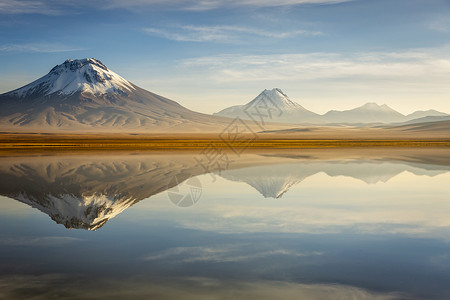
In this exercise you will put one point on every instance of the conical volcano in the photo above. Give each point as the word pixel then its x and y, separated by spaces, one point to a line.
pixel 84 95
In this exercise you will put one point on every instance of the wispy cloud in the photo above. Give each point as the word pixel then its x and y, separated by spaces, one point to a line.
pixel 313 66
pixel 38 47
pixel 441 24
pixel 204 5
pixel 55 7
pixel 221 253
pixel 28 7
pixel 191 33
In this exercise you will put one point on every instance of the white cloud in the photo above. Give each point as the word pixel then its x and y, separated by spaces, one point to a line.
pixel 38 47
pixel 191 33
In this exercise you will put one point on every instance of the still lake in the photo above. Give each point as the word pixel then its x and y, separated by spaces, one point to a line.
pixel 269 224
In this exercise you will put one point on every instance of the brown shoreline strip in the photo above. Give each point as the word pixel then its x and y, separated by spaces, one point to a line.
pixel 96 144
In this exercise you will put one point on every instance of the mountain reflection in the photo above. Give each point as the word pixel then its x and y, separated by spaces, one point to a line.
pixel 85 191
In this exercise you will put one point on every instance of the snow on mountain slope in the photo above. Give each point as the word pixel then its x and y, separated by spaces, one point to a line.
pixel 278 98
pixel 270 106
pixel 84 95
pixel 87 75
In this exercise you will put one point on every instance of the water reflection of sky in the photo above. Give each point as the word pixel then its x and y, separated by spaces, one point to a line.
pixel 327 237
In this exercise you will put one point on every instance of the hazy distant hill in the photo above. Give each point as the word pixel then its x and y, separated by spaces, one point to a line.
pixel 368 113
pixel 436 126
pixel 428 119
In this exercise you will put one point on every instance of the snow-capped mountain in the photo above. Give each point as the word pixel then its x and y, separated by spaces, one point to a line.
pixel 87 75
pixel 275 106
pixel 83 94
pixel 270 106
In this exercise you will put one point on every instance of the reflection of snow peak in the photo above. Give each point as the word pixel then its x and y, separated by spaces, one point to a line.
pixel 269 181
pixel 275 181
pixel 87 212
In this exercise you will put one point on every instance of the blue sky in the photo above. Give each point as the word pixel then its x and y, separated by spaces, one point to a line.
pixel 210 54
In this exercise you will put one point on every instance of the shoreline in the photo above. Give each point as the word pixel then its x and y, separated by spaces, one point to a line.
pixel 180 144
pixel 12 141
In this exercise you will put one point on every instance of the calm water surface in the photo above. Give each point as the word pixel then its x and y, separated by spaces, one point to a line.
pixel 304 224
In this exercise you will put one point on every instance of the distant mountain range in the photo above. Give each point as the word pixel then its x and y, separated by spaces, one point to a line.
pixel 275 106
pixel 85 95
